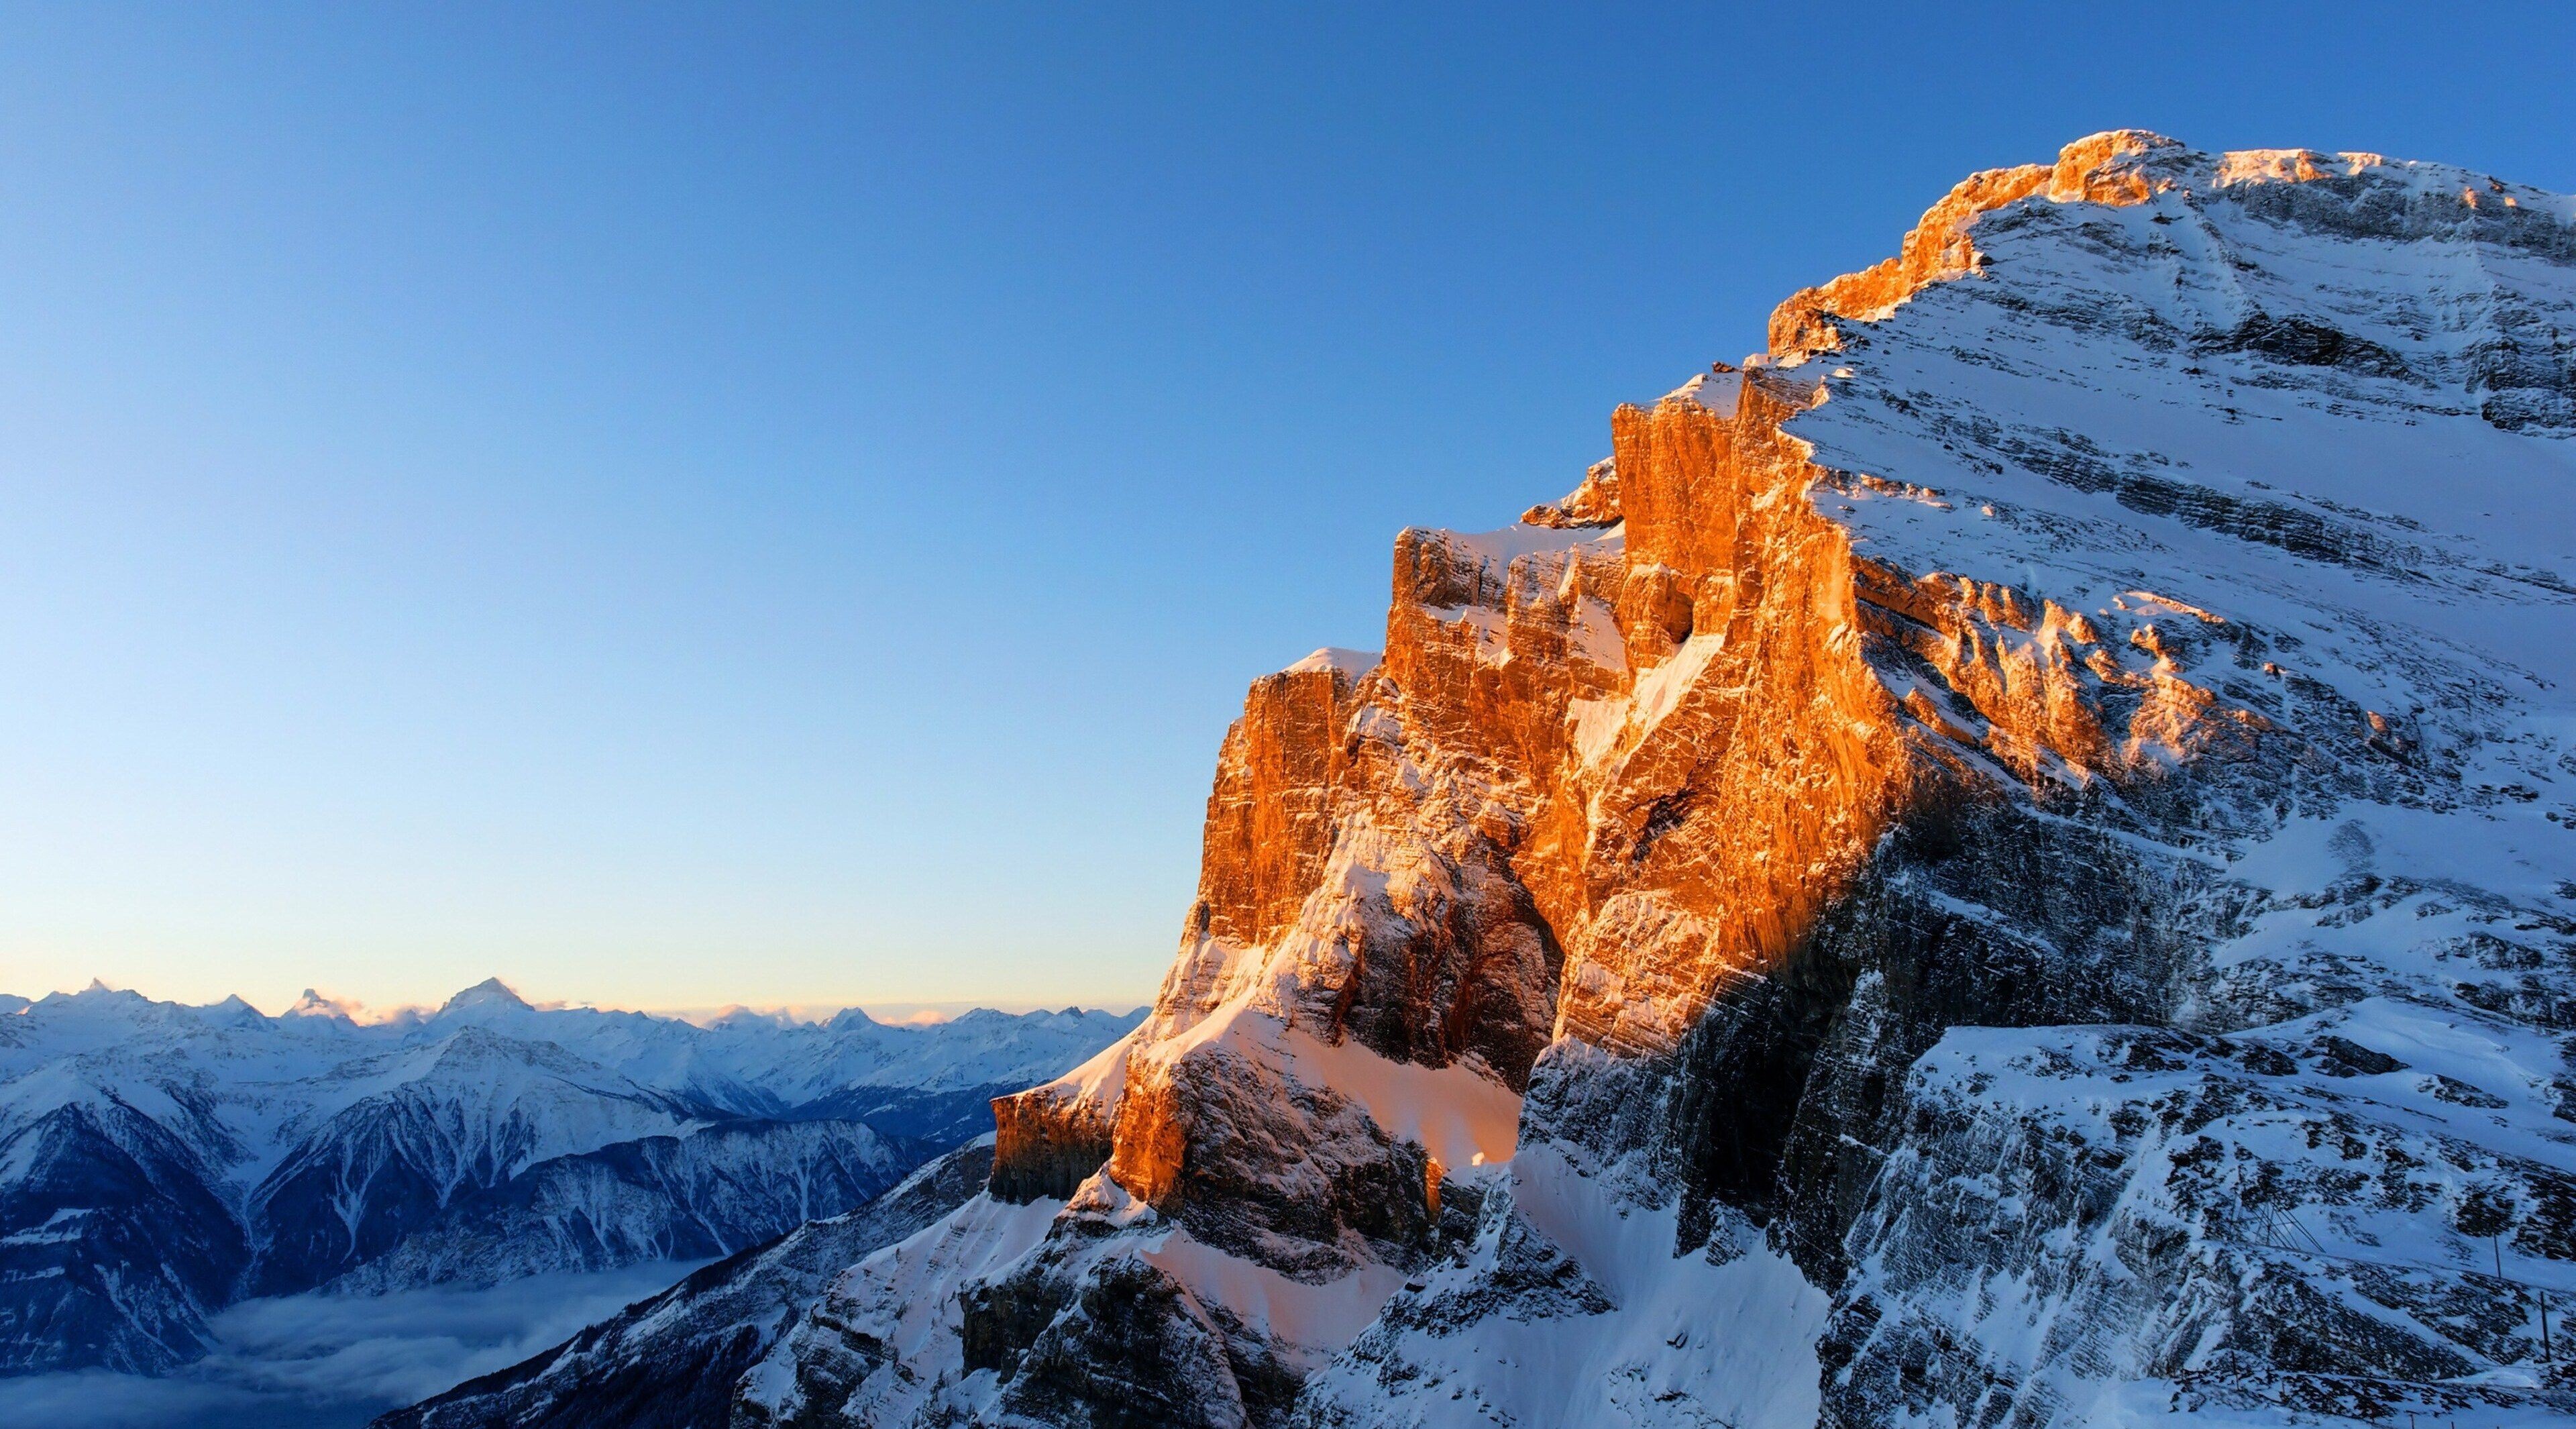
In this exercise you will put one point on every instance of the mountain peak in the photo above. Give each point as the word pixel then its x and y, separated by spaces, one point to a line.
pixel 2349 195
pixel 99 992
pixel 314 1004
pixel 491 992
pixel 234 1011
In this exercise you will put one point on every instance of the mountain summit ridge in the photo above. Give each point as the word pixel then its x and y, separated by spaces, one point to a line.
pixel 2004 861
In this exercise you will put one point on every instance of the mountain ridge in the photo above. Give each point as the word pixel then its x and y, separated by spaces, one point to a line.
pixel 159 1161
pixel 2005 857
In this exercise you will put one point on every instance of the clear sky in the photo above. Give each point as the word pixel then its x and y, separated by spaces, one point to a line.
pixel 683 505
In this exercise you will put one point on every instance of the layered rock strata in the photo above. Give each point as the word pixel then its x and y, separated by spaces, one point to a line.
pixel 2010 861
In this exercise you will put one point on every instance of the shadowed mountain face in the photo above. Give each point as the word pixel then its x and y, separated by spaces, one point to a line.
pixel 120 1241
pixel 672 1361
pixel 158 1162
pixel 2007 862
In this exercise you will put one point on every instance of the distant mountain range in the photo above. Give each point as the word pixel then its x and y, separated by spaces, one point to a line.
pixel 161 1161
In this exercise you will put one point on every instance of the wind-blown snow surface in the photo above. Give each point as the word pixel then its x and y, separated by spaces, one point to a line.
pixel 159 1162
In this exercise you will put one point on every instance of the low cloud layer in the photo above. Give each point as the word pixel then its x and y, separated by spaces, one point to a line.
pixel 322 1362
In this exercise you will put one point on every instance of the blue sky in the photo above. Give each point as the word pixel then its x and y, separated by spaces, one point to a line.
pixel 682 505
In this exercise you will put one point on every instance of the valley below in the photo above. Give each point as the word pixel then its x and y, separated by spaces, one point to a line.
pixel 317 1361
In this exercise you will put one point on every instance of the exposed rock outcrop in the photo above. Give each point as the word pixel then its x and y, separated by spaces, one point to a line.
pixel 2011 855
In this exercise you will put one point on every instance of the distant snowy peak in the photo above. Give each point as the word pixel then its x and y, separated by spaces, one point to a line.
pixel 489 995
pixel 314 1005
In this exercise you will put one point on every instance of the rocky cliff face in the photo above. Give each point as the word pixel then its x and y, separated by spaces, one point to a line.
pixel 2011 861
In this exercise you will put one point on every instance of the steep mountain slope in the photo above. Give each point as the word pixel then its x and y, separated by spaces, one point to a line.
pixel 118 1246
pixel 2008 862
pixel 688 1197
pixel 158 1162
pixel 461 1115
pixel 671 1362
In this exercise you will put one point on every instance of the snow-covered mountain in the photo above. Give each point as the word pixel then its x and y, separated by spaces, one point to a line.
pixel 673 1361
pixel 2011 861
pixel 159 1161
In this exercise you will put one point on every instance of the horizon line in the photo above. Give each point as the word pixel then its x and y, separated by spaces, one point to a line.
pixel 890 1012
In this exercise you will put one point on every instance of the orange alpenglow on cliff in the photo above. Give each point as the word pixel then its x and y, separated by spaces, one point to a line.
pixel 1841 918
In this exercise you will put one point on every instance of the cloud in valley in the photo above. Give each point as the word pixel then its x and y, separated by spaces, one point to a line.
pixel 322 1362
